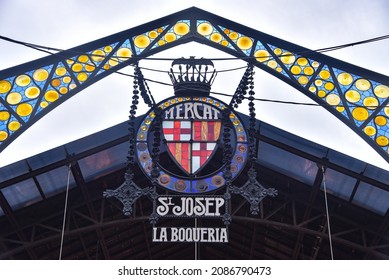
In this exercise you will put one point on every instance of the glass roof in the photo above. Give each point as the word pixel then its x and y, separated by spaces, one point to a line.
pixel 106 152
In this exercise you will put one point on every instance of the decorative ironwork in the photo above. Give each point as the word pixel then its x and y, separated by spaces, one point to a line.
pixel 129 191
pixel 191 78
pixel 358 97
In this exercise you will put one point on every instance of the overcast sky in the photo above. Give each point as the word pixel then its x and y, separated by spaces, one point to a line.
pixel 309 23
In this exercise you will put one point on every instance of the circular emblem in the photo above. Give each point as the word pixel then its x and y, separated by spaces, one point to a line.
pixel 191 150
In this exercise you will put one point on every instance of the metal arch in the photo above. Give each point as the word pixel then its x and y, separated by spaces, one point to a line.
pixel 356 96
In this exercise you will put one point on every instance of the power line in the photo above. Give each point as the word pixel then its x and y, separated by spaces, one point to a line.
pixel 47 49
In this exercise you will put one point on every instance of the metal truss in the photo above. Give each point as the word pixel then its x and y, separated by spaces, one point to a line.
pixel 356 96
pixel 289 226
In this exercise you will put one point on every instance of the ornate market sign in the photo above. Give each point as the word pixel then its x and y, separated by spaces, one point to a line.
pixel 191 147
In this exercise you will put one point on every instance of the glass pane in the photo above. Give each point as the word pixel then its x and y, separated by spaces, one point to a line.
pixel 372 198
pixel 22 194
pixel 13 170
pixel 47 158
pixel 377 174
pixel 287 163
pixel 339 184
pixel 346 161
pixel 1 212
pixel 105 161
pixel 55 181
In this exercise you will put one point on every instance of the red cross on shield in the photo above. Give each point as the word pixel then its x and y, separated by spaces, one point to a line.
pixel 191 142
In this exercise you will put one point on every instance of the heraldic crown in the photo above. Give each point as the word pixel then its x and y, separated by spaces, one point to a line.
pixel 191 76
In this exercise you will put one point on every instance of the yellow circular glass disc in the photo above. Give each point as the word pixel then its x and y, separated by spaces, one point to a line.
pixel 233 35
pixel 83 58
pixel 362 84
pixel 14 125
pixel 315 64
pixel 244 43
pixel 288 58
pixel 90 68
pixel 370 130
pixel 295 70
pixel 321 93
pixel 360 114
pixel 63 90
pixel 302 61
pixel 204 29
pixel 161 42
pixel 170 37
pixel 318 83
pixel 153 34
pixel 303 80
pixel 4 115
pixel 67 79
pixel 380 120
pixel 382 141
pixel 124 53
pixel 277 51
pixel 325 74
pixel 340 108
pixel 55 82
pixel 216 37
pixel 14 98
pixel 40 75
pixel 23 80
pixel 113 62
pixel 381 91
pixel 5 86
pixel 262 55
pixel 51 95
pixel 312 89
pixel 224 43
pixel 370 102
pixel 60 71
pixel 333 99
pixel 98 55
pixel 345 78
pixel 181 28
pixel 24 109
pixel 82 77
pixel 142 41
pixel 32 92
pixel 108 49
pixel 44 104
pixel 352 96
pixel 329 86
pixel 308 71
pixel 77 67
pixel 3 135
pixel 272 64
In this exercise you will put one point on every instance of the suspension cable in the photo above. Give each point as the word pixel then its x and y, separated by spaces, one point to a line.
pixel 65 212
pixel 327 212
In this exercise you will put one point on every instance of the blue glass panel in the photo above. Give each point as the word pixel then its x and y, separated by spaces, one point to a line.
pixel 104 162
pixel 13 170
pixel 22 194
pixel 287 163
pixel 347 161
pixel 339 184
pixel 372 198
pixel 377 174
pixel 47 158
pixel 55 181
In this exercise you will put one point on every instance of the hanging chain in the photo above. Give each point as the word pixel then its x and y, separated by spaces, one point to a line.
pixel 242 88
pixel 144 88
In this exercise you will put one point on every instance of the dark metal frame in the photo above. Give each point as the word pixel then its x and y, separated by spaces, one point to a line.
pixel 193 15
